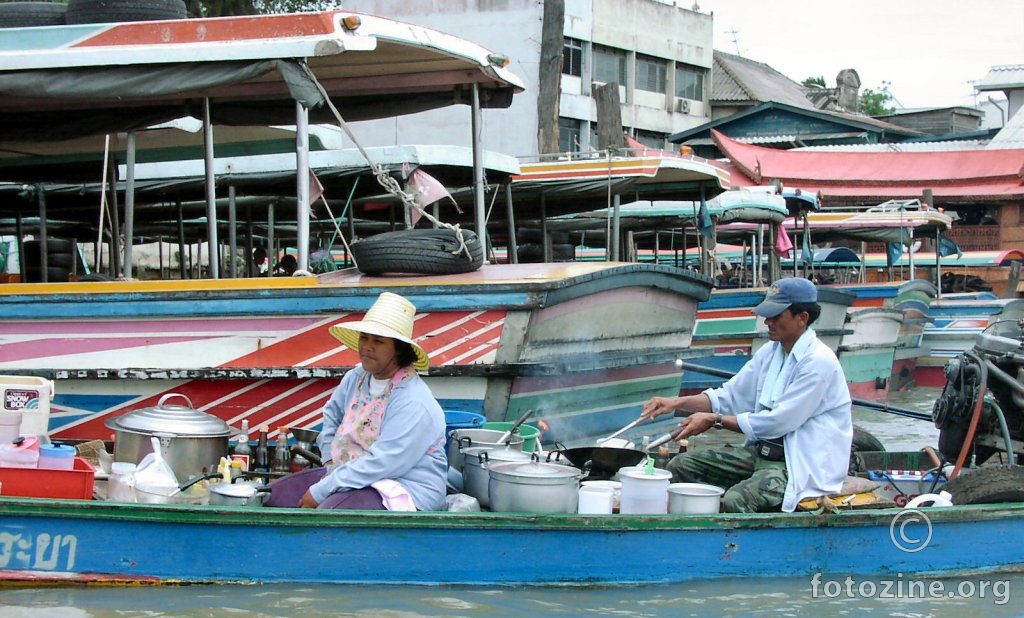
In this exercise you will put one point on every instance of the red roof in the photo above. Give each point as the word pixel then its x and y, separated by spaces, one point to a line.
pixel 975 175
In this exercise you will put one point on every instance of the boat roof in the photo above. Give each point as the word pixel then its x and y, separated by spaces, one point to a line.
pixel 572 185
pixel 881 225
pixel 60 82
pixel 986 175
pixel 169 191
pixel 735 205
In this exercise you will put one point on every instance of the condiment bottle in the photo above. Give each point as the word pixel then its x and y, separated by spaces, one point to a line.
pixel 261 456
pixel 282 456
pixel 242 451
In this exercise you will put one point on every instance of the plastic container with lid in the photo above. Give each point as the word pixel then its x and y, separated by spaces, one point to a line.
pixel 57 456
pixel 644 491
pixel 121 484
pixel 20 454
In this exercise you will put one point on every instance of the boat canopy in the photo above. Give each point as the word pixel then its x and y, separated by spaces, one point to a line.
pixel 63 82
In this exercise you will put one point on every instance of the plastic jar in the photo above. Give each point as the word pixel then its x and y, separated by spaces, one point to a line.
pixel 121 484
pixel 57 456
pixel 644 491
pixel 18 456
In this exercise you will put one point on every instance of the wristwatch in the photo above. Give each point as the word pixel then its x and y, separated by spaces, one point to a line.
pixel 718 420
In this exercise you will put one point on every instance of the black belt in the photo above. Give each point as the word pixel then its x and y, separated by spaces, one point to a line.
pixel 770 450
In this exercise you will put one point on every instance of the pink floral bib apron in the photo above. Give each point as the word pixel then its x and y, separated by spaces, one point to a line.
pixel 363 419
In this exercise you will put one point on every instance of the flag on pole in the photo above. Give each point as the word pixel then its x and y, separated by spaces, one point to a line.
pixel 895 251
pixel 948 246
pixel 704 224
pixel 426 190
pixel 315 191
pixel 783 244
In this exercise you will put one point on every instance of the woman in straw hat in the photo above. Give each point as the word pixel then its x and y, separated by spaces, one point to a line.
pixel 382 426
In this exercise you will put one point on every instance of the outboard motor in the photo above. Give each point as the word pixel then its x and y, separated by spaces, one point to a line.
pixel 990 379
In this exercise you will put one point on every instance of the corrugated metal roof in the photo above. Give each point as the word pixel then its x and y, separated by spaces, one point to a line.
pixel 1011 135
pixel 982 175
pixel 970 144
pixel 1002 77
pixel 735 78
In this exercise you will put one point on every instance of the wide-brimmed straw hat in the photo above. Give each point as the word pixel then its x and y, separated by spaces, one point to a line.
pixel 390 316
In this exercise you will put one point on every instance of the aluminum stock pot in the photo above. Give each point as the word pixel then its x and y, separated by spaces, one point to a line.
pixel 475 462
pixel 533 487
pixel 192 442
pixel 468 438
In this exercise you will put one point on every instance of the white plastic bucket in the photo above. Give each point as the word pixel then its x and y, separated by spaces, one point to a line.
pixel 595 500
pixel 642 493
pixel 10 426
pixel 31 396
pixel 692 498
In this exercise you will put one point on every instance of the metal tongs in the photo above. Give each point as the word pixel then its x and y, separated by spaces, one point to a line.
pixel 669 437
pixel 622 431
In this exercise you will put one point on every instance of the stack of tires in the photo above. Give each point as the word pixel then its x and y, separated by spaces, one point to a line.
pixel 62 261
pixel 30 14
pixel 531 246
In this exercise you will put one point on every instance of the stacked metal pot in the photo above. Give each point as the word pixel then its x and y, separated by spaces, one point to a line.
pixel 191 442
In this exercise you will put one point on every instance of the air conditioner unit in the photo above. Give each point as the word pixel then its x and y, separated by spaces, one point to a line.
pixel 683 106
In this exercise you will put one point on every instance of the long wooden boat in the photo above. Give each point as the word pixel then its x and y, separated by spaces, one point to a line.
pixel 581 344
pixel 75 541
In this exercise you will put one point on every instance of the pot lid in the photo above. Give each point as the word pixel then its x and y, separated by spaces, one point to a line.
pixel 172 419
pixel 490 455
pixel 640 472
pixel 536 470
pixel 234 490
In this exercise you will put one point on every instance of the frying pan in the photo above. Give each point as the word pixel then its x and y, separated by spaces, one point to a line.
pixel 604 461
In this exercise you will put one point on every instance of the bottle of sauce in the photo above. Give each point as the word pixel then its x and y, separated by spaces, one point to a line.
pixel 261 456
pixel 282 456
pixel 243 452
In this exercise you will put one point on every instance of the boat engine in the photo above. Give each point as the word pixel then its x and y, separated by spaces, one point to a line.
pixel 988 382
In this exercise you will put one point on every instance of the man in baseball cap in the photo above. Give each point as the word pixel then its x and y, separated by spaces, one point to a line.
pixel 784 293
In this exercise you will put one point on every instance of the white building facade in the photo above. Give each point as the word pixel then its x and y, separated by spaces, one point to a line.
pixel 659 53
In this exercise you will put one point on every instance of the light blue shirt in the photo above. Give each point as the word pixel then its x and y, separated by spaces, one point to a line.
pixel 410 449
pixel 812 414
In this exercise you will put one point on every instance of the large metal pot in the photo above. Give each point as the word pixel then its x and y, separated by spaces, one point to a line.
pixel 475 462
pixel 468 438
pixel 191 442
pixel 533 487
pixel 239 493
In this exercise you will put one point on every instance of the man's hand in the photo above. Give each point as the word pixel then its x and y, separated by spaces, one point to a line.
pixel 307 501
pixel 696 424
pixel 657 406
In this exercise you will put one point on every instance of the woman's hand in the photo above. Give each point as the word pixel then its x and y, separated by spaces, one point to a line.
pixel 657 406
pixel 307 501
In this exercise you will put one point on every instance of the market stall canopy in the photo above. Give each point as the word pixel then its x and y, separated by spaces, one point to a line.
pixel 858 178
pixel 58 83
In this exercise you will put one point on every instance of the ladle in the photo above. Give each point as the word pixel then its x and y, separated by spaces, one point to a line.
pixel 515 425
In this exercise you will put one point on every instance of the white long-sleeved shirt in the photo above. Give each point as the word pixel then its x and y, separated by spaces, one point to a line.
pixel 410 449
pixel 812 414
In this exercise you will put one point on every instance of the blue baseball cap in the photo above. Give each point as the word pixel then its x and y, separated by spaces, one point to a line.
pixel 785 292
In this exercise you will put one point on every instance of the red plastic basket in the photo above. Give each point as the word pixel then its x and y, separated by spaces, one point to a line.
pixel 47 483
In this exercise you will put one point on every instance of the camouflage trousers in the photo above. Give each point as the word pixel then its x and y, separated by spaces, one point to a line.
pixel 753 484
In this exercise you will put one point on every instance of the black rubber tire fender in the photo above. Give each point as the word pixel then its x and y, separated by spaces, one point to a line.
pixel 34 274
pixel 535 235
pixel 113 11
pixel 31 14
pixel 532 253
pixel 864 440
pixel 424 252
pixel 992 484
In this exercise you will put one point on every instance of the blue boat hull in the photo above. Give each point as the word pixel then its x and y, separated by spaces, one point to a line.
pixel 76 541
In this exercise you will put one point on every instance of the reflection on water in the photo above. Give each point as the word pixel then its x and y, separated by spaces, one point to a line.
pixel 899 433
pixel 732 597
pixel 726 597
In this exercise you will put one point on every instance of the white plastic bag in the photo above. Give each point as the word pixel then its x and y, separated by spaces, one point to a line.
pixel 154 474
pixel 461 503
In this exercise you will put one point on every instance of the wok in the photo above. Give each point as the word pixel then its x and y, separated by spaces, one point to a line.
pixel 601 462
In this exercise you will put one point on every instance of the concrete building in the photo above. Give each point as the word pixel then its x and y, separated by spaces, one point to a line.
pixel 659 53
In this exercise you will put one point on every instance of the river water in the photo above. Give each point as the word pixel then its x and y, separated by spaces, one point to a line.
pixel 992 595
